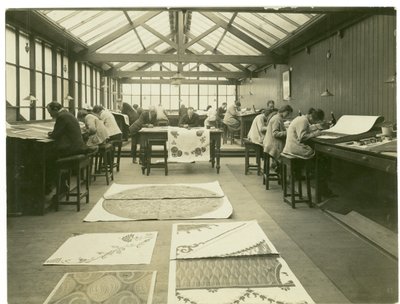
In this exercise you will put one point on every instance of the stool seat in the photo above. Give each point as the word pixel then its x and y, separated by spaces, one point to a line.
pixel 150 153
pixel 257 148
pixel 67 166
pixel 292 166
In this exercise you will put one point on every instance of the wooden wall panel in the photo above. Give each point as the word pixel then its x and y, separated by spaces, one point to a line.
pixel 362 60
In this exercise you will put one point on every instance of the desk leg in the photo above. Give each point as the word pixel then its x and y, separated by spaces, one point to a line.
pixel 142 154
pixel 212 152
pixel 218 151
pixel 242 129
pixel 317 179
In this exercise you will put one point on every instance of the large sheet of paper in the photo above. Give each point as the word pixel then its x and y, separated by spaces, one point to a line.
pixel 162 191
pixel 160 209
pixel 353 124
pixel 244 280
pixel 105 249
pixel 108 287
pixel 201 240
pixel 188 145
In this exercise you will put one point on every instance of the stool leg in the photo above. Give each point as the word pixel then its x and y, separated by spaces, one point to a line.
pixel 103 165
pixel 264 167
pixel 110 164
pixel 118 156
pixel 267 168
pixel 148 164
pixel 78 189
pixel 258 160
pixel 308 188
pixel 246 160
pixel 166 158
pixel 292 185
pixel 87 182
pixel 58 188
pixel 300 186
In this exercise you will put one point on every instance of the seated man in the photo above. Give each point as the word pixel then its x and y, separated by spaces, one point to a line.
pixel 230 118
pixel 127 109
pixel 96 132
pixel 162 118
pixel 114 132
pixel 259 126
pixel 211 120
pixel 146 119
pixel 67 132
pixel 190 119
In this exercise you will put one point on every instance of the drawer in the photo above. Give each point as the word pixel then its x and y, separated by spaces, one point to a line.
pixel 375 162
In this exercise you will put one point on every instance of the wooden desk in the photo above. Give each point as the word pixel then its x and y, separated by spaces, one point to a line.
pixel 162 133
pixel 246 119
pixel 28 160
pixel 335 149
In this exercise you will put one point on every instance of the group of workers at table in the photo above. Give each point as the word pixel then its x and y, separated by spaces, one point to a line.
pixel 268 129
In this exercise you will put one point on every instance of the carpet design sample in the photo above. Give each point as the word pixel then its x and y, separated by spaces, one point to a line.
pixel 105 249
pixel 239 280
pixel 163 191
pixel 247 271
pixel 219 240
pixel 187 145
pixel 164 201
pixel 107 287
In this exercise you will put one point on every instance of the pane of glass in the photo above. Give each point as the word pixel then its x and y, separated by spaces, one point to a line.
pixel 39 113
pixel 194 89
pixel 184 100
pixel 10 46
pixel 59 64
pixel 165 101
pixel 76 93
pixel 155 89
pixel 127 98
pixel 126 89
pixel 194 101
pixel 59 93
pixel 24 89
pixel 230 90
pixel 230 100
pixel 98 97
pixel 23 54
pixel 203 100
pixel 48 89
pixel 203 88
pixel 135 99
pixel 145 89
pixel 221 99
pixel 221 89
pixel 48 63
pixel 88 95
pixel 174 89
pixel 88 72
pixel 25 112
pixel 11 84
pixel 65 67
pixel 212 89
pixel 136 89
pixel 66 89
pixel 145 102
pixel 155 100
pixel 165 89
pixel 83 73
pixel 174 103
pixel 76 71
pixel 184 89
pixel 83 88
pixel 38 56
pixel 39 91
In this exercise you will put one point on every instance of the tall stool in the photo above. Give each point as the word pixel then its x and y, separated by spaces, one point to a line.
pixel 248 147
pixel 290 166
pixel 229 133
pixel 66 167
pixel 268 176
pixel 92 155
pixel 104 162
pixel 116 157
pixel 150 152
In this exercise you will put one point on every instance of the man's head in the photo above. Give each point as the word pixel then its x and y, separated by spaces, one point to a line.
pixel 97 109
pixel 135 106
pixel 190 111
pixel 224 104
pixel 315 115
pixel 152 110
pixel 270 104
pixel 285 111
pixel 53 108
pixel 237 104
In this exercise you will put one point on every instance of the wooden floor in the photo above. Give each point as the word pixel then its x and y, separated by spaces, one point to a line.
pixel 333 264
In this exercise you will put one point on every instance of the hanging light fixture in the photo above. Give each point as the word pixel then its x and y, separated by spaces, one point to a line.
pixel 327 93
pixel 68 98
pixel 391 79
pixel 177 79
pixel 31 99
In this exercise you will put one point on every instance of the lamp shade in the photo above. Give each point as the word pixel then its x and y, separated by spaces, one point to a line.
pixel 177 79
pixel 30 97
pixel 68 98
pixel 326 93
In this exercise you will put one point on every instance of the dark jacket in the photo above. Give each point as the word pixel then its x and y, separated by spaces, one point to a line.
pixel 131 112
pixel 144 119
pixel 193 121
pixel 67 135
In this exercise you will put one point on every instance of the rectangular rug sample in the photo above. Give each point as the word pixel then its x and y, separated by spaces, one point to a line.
pixel 163 191
pixel 107 287
pixel 188 145
pixel 202 240
pixel 238 280
pixel 105 249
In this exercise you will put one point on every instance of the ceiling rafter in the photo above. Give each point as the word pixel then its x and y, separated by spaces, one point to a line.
pixel 121 31
pixel 188 24
pixel 294 23
pixel 167 81
pixel 263 30
pixel 134 29
pixel 123 74
pixel 160 36
pixel 86 20
pixel 66 17
pixel 225 30
pixel 201 36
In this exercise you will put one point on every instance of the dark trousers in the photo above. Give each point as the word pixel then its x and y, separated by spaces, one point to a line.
pixel 134 140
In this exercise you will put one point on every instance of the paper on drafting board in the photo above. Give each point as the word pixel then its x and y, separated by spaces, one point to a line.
pixel 104 287
pixel 200 240
pixel 354 124
pixel 207 187
pixel 98 213
pixel 295 293
pixel 105 249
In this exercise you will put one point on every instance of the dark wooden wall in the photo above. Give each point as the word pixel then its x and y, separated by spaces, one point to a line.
pixel 362 60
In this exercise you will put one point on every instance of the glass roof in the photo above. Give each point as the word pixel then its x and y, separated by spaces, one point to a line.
pixel 141 33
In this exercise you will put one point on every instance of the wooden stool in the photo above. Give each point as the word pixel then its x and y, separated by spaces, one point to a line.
pixel 229 133
pixel 268 176
pixel 250 146
pixel 149 154
pixel 104 162
pixel 92 155
pixel 78 164
pixel 290 165
pixel 117 146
